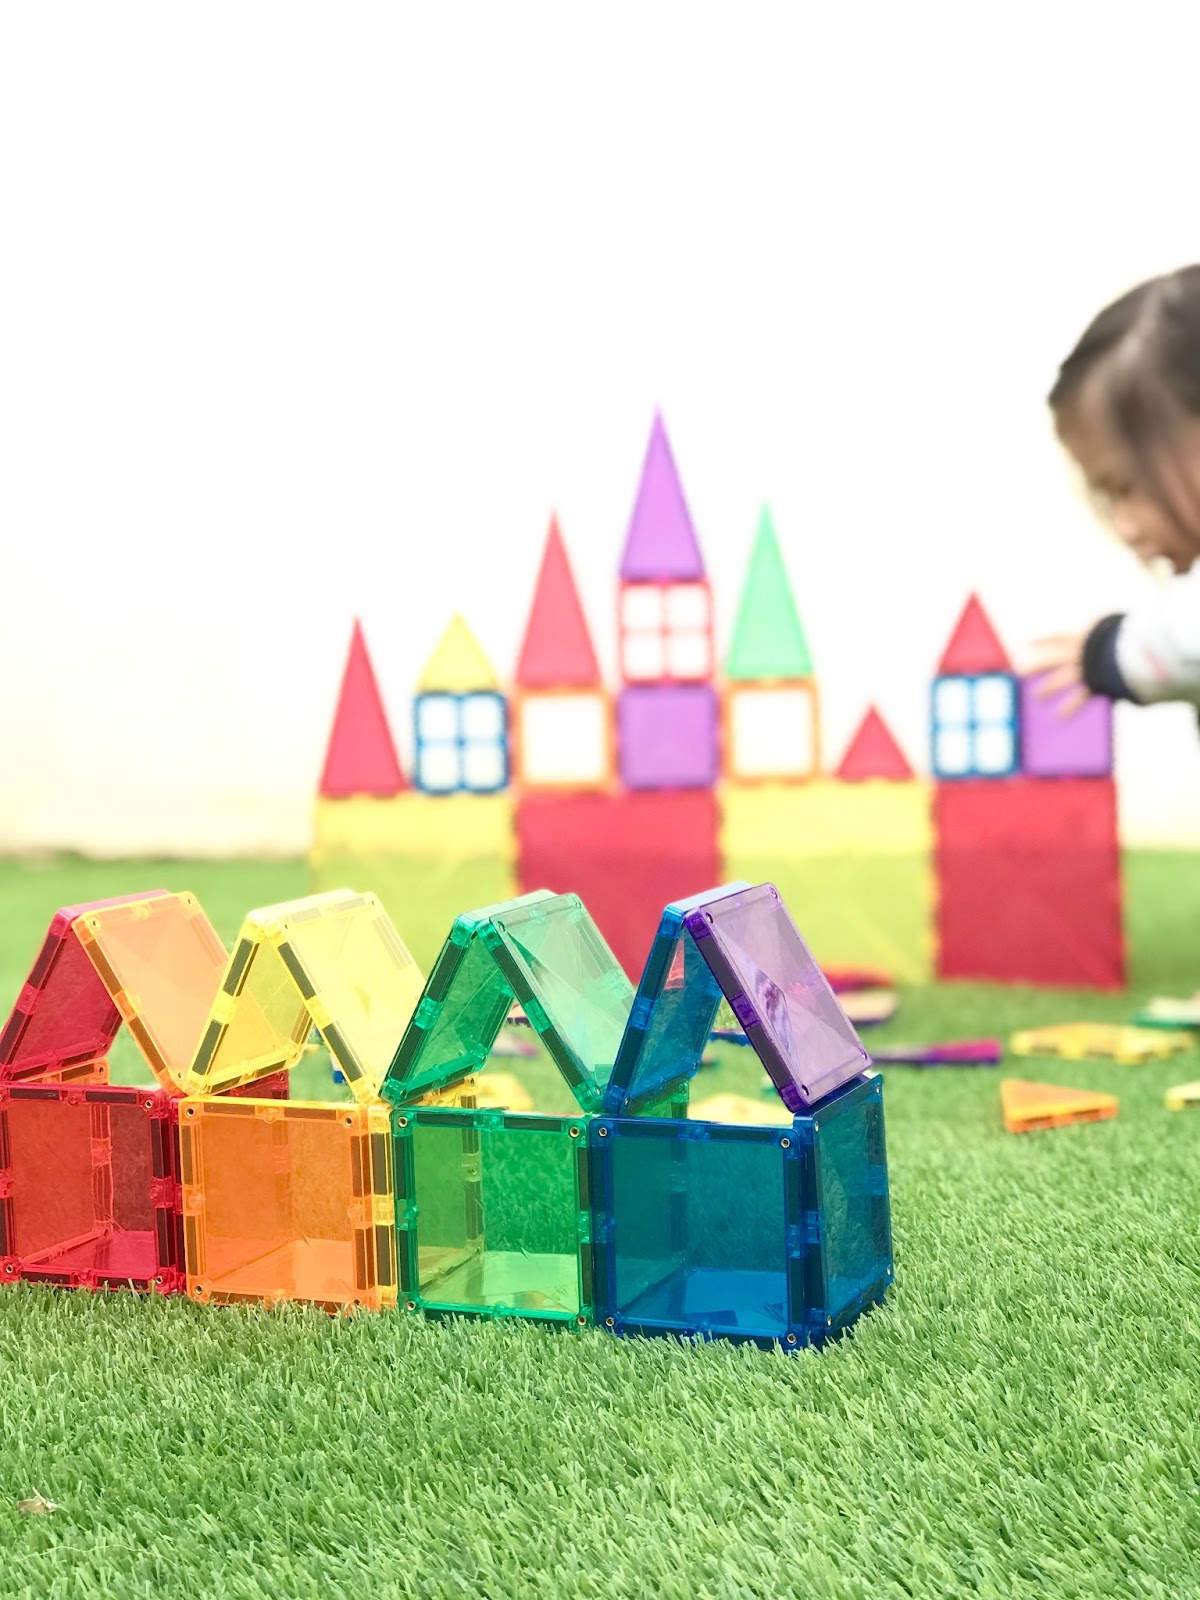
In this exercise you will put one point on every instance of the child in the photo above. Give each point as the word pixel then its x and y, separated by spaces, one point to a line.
pixel 1126 407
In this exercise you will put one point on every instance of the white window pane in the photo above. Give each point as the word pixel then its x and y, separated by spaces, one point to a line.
pixel 688 655
pixel 437 716
pixel 482 716
pixel 438 767
pixel 952 752
pixel 771 733
pixel 995 700
pixel 643 657
pixel 687 606
pixel 642 606
pixel 995 749
pixel 483 766
pixel 564 739
pixel 952 702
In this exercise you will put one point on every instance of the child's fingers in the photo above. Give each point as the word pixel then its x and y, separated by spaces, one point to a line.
pixel 1057 679
pixel 1073 701
pixel 1059 651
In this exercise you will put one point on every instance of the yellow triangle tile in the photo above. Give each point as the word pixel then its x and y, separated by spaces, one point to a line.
pixel 458 664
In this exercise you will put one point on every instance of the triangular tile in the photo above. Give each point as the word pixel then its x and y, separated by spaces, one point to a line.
pixel 768 637
pixel 329 961
pixel 361 757
pixel 739 942
pixel 151 959
pixel 541 950
pixel 873 753
pixel 661 543
pixel 458 664
pixel 557 651
pixel 974 645
pixel 1029 1106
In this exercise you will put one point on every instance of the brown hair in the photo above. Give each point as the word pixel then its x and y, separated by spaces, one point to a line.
pixel 1147 344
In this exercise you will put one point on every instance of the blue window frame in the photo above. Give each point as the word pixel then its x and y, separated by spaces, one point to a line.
pixel 461 742
pixel 975 726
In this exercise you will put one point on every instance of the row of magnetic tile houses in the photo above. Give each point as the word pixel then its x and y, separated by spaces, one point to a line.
pixel 670 726
pixel 622 1211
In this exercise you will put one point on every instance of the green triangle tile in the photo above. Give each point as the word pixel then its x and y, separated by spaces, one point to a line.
pixel 768 638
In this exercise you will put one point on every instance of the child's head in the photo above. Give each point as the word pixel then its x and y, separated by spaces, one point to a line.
pixel 1126 405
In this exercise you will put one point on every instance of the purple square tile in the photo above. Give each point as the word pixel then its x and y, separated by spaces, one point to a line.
pixel 1053 746
pixel 667 736
pixel 782 999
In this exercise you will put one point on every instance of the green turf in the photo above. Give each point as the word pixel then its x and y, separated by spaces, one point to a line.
pixel 1018 1420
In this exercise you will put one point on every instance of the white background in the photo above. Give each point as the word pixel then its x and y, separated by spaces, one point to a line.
pixel 314 310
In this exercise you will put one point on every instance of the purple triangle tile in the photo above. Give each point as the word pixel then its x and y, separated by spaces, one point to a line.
pixel 661 543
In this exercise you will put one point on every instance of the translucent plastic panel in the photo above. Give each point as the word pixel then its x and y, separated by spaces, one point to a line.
pixel 497 1213
pixel 995 699
pixel 771 733
pixel 779 995
pixel 163 960
pixel 64 1013
pixel 995 749
pixel 572 987
pixel 564 739
pixel 364 984
pixel 852 1191
pixel 952 702
pixel 643 657
pixel 688 606
pixel 437 717
pixel 484 767
pixel 668 736
pixel 287 1202
pixel 672 1015
pixel 50 1171
pixel 482 716
pixel 642 607
pixel 698 1241
pixel 439 768
pixel 453 1028
pixel 689 655
pixel 259 1023
pixel 952 752
pixel 82 1205
pixel 332 960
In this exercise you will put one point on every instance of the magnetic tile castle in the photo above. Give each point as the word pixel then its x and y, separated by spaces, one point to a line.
pixel 1003 865
pixel 420 1191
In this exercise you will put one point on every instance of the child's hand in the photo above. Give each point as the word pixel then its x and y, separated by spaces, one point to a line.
pixel 1058 662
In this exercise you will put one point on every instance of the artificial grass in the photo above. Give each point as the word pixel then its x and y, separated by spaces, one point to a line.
pixel 1017 1420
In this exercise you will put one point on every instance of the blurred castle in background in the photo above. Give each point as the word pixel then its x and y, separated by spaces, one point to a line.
pixel 1006 866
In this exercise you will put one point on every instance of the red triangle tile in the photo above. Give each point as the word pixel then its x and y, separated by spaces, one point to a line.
pixel 557 651
pixel 873 753
pixel 361 758
pixel 974 645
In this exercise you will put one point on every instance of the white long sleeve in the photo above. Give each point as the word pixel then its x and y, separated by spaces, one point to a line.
pixel 1158 643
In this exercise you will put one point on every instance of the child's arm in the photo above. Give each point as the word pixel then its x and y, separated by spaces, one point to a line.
pixel 1151 653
